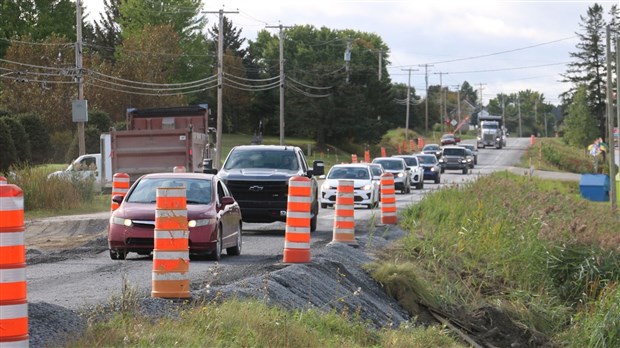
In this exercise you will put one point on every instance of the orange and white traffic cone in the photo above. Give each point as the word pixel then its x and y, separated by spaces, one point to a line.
pixel 388 200
pixel 120 186
pixel 171 247
pixel 298 211
pixel 13 301
pixel 344 214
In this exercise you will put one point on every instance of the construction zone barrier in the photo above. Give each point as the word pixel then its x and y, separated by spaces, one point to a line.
pixel 13 301
pixel 383 152
pixel 171 245
pixel 353 158
pixel 420 143
pixel 178 169
pixel 344 219
pixel 297 233
pixel 120 186
pixel 411 146
pixel 532 139
pixel 3 180
pixel 388 200
pixel 367 156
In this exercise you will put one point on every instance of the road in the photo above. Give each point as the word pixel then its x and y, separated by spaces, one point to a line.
pixel 86 278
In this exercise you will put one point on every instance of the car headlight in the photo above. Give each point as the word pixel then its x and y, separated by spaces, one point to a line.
pixel 400 175
pixel 201 222
pixel 497 139
pixel 469 160
pixel 433 169
pixel 121 221
pixel 325 186
pixel 441 160
pixel 463 161
pixel 367 187
pixel 479 138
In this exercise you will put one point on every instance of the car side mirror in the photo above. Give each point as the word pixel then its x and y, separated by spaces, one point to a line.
pixel 407 168
pixel 117 199
pixel 318 168
pixel 227 200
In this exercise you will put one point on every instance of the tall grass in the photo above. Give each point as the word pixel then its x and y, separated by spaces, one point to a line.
pixel 237 323
pixel 531 247
pixel 53 194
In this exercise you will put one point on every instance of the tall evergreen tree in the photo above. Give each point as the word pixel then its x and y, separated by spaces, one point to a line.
pixel 9 154
pixel 588 67
pixel 107 31
pixel 578 127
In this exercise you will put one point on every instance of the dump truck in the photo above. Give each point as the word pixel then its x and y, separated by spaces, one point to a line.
pixel 491 131
pixel 158 140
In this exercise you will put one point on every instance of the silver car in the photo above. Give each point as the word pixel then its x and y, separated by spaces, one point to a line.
pixel 416 173
pixel 398 167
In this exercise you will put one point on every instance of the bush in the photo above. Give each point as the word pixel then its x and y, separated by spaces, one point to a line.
pixel 39 137
pixel 61 141
pixel 91 141
pixel 20 139
pixel 9 154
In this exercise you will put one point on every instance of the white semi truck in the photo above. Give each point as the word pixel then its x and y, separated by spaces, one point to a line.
pixel 491 131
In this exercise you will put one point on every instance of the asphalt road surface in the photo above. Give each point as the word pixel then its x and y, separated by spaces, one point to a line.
pixel 86 276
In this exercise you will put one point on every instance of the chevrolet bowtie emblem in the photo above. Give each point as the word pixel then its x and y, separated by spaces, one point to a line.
pixel 256 188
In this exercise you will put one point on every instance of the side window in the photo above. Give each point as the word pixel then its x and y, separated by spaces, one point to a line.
pixel 302 160
pixel 221 192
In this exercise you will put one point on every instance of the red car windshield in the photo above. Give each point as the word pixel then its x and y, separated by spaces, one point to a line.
pixel 198 190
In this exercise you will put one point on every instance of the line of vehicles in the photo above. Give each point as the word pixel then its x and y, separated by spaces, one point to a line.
pixel 251 185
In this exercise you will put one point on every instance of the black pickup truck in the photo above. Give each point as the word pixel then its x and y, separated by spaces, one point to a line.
pixel 257 176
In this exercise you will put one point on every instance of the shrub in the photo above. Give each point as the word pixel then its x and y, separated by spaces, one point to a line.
pixel 39 137
pixel 9 154
pixel 20 139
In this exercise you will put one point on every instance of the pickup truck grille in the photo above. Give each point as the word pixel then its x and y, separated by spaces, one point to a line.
pixel 453 160
pixel 261 191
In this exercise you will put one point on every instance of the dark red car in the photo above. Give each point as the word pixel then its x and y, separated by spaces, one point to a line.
pixel 214 217
pixel 448 139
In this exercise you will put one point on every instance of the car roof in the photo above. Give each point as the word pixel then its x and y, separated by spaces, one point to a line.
pixel 351 165
pixel 427 145
pixel 180 175
pixel 388 158
pixel 267 147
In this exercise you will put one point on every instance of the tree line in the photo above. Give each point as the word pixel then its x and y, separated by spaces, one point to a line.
pixel 142 54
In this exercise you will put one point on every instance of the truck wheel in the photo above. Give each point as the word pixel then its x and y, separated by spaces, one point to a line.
pixel 324 205
pixel 442 170
pixel 313 223
pixel 465 170
pixel 437 179
pixel 116 254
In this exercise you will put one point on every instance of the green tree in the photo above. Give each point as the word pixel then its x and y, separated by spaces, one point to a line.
pixel 20 139
pixel 99 120
pixel 38 136
pixel 106 31
pixel 37 19
pixel 9 153
pixel 579 130
pixel 468 93
pixel 589 65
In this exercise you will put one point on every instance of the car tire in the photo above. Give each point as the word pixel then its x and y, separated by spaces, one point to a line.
pixel 437 179
pixel 116 254
pixel 408 189
pixel 236 250
pixel 324 205
pixel 216 254
pixel 465 170
pixel 442 170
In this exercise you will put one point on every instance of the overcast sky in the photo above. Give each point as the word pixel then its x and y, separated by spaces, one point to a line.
pixel 503 46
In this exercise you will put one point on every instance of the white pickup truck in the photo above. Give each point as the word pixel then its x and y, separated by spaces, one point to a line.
pixel 88 166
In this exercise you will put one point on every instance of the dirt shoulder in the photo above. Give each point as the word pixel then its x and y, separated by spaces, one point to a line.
pixel 65 232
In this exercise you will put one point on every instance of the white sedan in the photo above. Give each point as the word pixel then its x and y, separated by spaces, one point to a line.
pixel 366 189
pixel 416 173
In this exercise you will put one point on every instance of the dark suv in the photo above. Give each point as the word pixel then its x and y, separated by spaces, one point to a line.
pixel 257 176
pixel 455 157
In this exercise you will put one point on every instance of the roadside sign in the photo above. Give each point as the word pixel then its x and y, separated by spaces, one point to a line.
pixel 453 122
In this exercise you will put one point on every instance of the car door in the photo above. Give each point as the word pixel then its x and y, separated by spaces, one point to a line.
pixel 227 215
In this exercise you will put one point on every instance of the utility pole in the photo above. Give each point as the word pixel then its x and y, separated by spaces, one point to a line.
pixel 519 106
pixel 426 66
pixel 282 80
pixel 458 105
pixel 220 87
pixel 481 87
pixel 78 67
pixel 408 103
pixel 380 64
pixel 610 127
pixel 347 58
pixel 441 99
